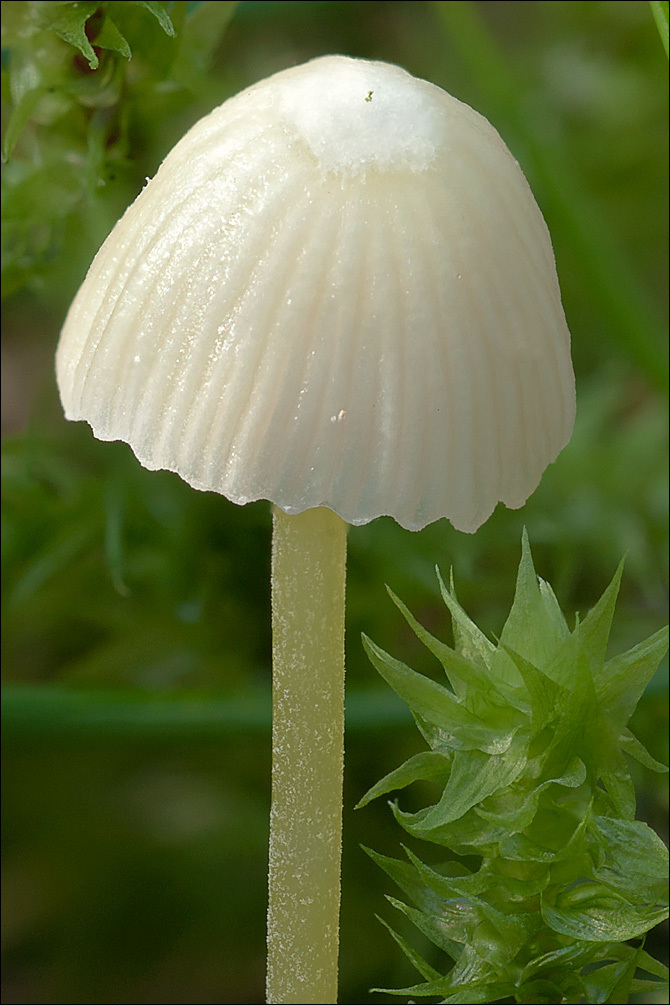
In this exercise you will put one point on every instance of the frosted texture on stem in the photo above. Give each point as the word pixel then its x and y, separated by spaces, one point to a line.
pixel 308 583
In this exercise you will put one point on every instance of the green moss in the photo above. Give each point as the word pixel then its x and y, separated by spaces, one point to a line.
pixel 527 742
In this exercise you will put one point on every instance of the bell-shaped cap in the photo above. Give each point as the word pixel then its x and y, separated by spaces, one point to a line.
pixel 337 291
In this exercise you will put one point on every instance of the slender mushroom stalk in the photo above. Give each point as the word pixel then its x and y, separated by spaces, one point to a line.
pixel 308 579
pixel 337 294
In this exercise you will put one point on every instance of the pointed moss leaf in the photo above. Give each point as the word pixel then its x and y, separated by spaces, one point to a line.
pixel 559 826
pixel 636 863
pixel 479 992
pixel 407 878
pixel 466 836
pixel 475 885
pixel 428 765
pixel 652 966
pixel 622 681
pixel 619 785
pixel 573 776
pixel 520 848
pixel 544 693
pixel 472 683
pixel 474 776
pixel 433 735
pixel 545 992
pixel 518 810
pixel 464 675
pixel 110 37
pixel 611 983
pixel 527 589
pixel 427 972
pixel 429 990
pixel 448 930
pixel 594 630
pixel 493 700
pixel 471 642
pixel 513 889
pixel 576 954
pixel 455 666
pixel 69 21
pixel 458 727
pixel 647 964
pixel 537 645
pixel 606 919
pixel 503 937
pixel 160 13
pixel 471 968
pixel 514 813
pixel 639 987
pixel 632 746
pixel 569 664
pixel 576 731
pixel 553 610
pixel 459 882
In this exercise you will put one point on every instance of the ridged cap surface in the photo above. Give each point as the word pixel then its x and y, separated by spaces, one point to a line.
pixel 337 290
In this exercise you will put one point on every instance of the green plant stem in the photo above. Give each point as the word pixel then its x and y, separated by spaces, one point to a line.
pixel 308 585
pixel 659 9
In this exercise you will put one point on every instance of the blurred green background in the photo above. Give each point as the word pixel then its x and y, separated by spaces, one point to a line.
pixel 136 639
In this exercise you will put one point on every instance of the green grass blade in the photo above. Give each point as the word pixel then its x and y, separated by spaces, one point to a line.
pixel 659 9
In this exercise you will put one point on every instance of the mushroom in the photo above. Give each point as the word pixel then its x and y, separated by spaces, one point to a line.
pixel 337 294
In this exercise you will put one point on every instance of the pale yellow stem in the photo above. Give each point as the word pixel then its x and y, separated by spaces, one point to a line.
pixel 308 582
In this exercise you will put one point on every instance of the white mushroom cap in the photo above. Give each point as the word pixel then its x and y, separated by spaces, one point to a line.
pixel 337 291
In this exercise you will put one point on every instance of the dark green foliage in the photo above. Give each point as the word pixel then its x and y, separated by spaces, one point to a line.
pixel 527 744
pixel 76 79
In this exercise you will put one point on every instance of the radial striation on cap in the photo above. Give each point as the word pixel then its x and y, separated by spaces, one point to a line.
pixel 338 290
